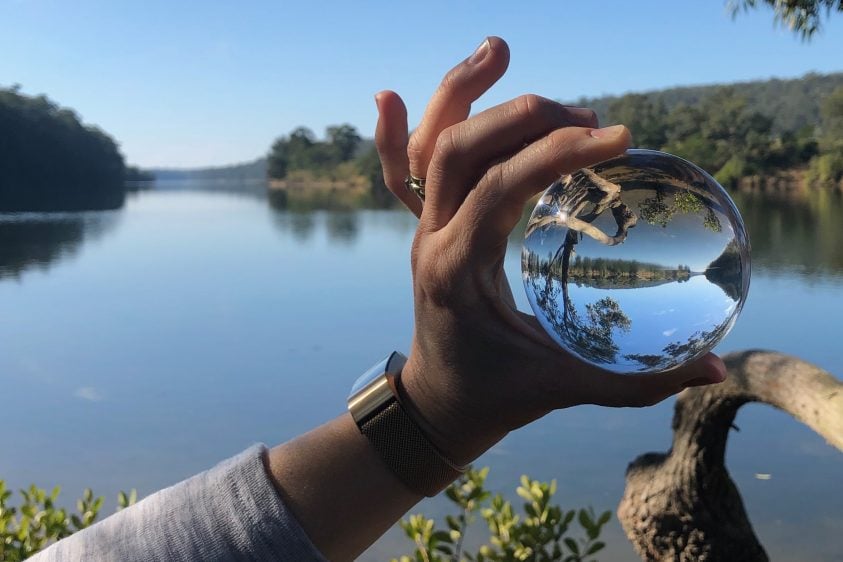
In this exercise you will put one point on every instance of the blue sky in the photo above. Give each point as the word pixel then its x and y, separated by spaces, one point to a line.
pixel 188 83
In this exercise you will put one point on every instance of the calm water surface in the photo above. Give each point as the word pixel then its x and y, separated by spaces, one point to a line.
pixel 141 346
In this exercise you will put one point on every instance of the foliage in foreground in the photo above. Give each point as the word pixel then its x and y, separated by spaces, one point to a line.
pixel 538 534
pixel 36 522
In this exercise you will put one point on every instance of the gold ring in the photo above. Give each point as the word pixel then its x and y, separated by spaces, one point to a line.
pixel 416 185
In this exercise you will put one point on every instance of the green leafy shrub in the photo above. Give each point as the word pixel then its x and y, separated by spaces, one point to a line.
pixel 731 172
pixel 538 534
pixel 36 522
pixel 826 169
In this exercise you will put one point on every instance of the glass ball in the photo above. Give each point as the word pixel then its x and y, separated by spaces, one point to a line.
pixel 637 264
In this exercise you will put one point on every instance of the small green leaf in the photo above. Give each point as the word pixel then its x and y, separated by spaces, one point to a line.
pixel 595 548
pixel 442 536
pixel 572 545
pixel 585 520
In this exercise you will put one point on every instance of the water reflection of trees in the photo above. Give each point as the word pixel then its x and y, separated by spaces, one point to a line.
pixel 795 232
pixel 300 224
pixel 39 241
pixel 297 215
pixel 605 272
pixel 340 226
pixel 343 226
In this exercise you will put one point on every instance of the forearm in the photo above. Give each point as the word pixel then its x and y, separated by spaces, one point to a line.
pixel 231 512
pixel 345 494
pixel 341 492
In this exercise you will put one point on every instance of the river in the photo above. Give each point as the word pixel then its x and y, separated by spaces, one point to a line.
pixel 140 346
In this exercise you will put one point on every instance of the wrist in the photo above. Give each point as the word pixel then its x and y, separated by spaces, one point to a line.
pixel 446 415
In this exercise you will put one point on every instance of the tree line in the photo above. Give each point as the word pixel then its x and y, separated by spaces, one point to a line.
pixel 730 138
pixel 607 268
pixel 51 161
pixel 585 267
pixel 792 103
pixel 727 130
pixel 343 156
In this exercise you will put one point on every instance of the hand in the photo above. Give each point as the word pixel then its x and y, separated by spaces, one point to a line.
pixel 477 367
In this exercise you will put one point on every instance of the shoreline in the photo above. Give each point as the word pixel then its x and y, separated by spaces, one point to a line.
pixel 782 182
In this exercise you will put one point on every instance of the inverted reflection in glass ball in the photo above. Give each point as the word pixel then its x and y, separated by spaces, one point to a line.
pixel 637 264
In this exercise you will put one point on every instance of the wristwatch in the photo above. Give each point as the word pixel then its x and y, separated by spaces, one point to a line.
pixel 376 408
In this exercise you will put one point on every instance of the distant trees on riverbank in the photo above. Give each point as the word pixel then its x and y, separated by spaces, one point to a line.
pixel 343 157
pixel 827 166
pixel 728 137
pixel 588 268
pixel 51 161
pixel 301 151
pixel 606 268
pixel 761 129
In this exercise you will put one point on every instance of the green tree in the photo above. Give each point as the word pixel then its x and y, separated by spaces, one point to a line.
pixel 300 149
pixel 803 17
pixel 831 124
pixel 344 139
pixel 51 161
pixel 827 167
pixel 278 160
pixel 644 116
pixel 722 130
pixel 370 167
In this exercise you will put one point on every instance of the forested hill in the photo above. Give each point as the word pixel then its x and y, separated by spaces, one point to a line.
pixel 791 103
pixel 51 161
pixel 732 130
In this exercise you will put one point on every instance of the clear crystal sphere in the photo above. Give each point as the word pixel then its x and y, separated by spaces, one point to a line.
pixel 637 264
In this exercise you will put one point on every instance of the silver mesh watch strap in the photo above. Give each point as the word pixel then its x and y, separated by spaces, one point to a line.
pixel 406 450
pixel 375 405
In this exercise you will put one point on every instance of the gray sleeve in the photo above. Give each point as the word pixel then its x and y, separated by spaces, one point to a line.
pixel 231 512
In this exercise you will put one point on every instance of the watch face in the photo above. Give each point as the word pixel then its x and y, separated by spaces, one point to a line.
pixel 370 375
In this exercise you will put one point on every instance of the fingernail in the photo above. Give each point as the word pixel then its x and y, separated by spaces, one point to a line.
pixel 378 100
pixel 608 132
pixel 581 112
pixel 481 52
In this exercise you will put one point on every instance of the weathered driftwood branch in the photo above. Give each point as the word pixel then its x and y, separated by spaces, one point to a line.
pixel 683 505
pixel 574 200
